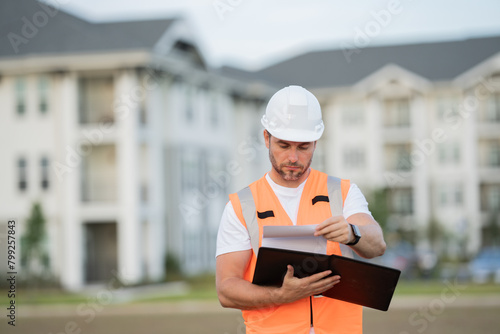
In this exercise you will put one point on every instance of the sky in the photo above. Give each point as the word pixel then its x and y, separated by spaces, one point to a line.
pixel 252 34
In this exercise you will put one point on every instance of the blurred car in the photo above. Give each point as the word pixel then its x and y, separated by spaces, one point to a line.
pixel 400 256
pixel 486 266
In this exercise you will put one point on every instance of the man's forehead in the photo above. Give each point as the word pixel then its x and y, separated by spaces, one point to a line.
pixel 297 143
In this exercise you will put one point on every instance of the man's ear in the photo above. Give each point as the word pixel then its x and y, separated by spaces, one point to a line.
pixel 266 138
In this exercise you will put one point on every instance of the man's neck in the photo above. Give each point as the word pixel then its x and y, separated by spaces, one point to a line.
pixel 279 180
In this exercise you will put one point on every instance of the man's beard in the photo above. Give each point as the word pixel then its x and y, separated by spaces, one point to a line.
pixel 290 175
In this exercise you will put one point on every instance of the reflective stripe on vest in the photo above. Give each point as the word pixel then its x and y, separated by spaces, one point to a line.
pixel 250 214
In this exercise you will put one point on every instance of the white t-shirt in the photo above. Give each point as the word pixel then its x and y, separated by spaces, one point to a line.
pixel 234 237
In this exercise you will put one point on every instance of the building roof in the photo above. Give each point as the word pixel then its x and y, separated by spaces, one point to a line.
pixel 28 27
pixel 436 61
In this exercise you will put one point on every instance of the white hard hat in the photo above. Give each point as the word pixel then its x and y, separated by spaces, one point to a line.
pixel 294 114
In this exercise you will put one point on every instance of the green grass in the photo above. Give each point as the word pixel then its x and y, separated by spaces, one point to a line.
pixel 413 288
pixel 203 288
pixel 43 297
pixel 206 294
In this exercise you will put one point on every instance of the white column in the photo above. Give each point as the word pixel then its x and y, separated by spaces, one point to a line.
pixel 375 152
pixel 68 169
pixel 129 224
pixel 471 180
pixel 332 138
pixel 156 233
pixel 423 147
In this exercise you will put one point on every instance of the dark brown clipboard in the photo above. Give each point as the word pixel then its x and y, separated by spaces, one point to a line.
pixel 361 283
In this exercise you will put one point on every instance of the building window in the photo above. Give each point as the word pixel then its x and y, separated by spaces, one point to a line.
pixel 354 158
pixel 490 197
pixel 190 170
pixel 494 154
pixel 215 165
pixel 214 109
pixel 457 195
pixel 447 110
pixel 353 115
pixel 43 94
pixel 189 104
pixel 401 158
pixel 404 158
pixel 493 108
pixel 22 170
pixel 398 157
pixel 397 113
pixel 450 195
pixel 494 198
pixel 402 201
pixel 96 96
pixel 44 166
pixel 20 96
pixel 449 153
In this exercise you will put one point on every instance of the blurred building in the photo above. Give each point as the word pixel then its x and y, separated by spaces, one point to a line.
pixel 125 136
pixel 131 141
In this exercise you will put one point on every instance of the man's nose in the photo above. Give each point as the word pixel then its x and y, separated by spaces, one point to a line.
pixel 292 156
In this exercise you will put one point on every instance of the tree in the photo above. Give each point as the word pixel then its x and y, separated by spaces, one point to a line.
pixel 34 255
pixel 436 235
pixel 379 207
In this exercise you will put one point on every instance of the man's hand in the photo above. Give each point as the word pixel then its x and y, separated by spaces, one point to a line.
pixel 294 288
pixel 335 229
pixel 236 292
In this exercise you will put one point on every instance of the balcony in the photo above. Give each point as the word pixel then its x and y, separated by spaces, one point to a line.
pixel 396 113
pixel 99 176
pixel 489 160
pixel 99 188
pixel 95 100
pixel 398 163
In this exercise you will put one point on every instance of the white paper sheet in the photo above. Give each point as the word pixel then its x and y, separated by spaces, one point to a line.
pixel 299 238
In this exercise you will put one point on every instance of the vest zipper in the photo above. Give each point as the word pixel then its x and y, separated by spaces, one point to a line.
pixel 311 308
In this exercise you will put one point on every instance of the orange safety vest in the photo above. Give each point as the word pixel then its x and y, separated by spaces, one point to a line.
pixel 327 315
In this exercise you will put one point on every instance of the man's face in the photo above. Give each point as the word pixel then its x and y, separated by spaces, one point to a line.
pixel 290 160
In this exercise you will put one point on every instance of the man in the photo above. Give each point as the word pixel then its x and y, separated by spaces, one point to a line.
pixel 293 123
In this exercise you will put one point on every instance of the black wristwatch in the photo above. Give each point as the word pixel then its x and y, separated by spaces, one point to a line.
pixel 357 235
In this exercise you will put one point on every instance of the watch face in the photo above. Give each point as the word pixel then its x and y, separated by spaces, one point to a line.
pixel 356 231
pixel 357 235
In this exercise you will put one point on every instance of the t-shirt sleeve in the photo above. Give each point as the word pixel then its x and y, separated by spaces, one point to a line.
pixel 233 235
pixel 355 202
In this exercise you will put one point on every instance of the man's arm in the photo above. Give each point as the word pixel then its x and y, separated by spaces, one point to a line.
pixel 337 229
pixel 236 292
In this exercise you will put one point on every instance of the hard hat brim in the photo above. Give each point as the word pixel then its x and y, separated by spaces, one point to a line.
pixel 296 135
